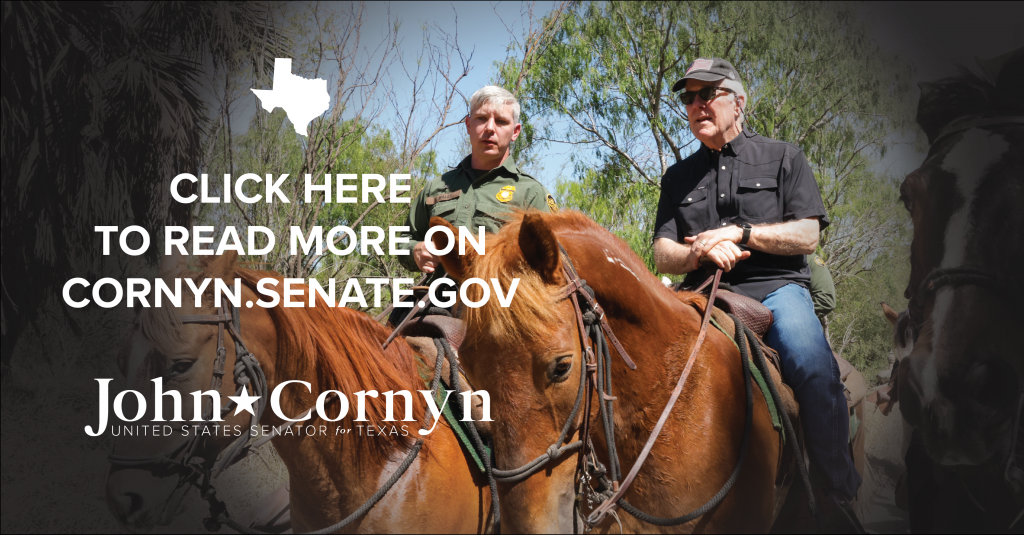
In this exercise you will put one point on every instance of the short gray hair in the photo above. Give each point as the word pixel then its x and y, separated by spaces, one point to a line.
pixel 496 95
pixel 739 91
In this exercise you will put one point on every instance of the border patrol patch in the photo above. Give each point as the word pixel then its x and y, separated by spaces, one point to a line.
pixel 505 193
pixel 551 204
pixel 819 261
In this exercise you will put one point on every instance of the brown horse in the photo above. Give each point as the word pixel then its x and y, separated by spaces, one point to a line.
pixel 330 476
pixel 528 356
pixel 962 387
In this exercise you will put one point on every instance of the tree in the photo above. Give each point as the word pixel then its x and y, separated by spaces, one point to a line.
pixel 369 128
pixel 101 108
pixel 814 77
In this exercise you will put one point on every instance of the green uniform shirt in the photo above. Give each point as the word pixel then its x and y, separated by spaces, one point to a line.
pixel 466 201
pixel 823 291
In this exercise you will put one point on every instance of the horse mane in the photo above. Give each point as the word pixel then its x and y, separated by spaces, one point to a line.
pixel 340 349
pixel 534 302
pixel 970 94
pixel 334 348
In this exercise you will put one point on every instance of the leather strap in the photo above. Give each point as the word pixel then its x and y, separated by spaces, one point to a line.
pixel 574 287
pixel 746 233
pixel 611 502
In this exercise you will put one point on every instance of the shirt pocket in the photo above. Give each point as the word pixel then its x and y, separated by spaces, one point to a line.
pixel 758 199
pixel 444 209
pixel 692 216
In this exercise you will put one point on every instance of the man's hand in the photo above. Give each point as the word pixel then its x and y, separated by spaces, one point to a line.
pixel 726 255
pixel 704 242
pixel 425 260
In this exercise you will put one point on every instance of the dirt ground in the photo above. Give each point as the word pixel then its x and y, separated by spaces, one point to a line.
pixel 884 464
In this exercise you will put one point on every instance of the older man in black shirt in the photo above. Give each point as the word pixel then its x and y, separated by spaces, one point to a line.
pixel 751 206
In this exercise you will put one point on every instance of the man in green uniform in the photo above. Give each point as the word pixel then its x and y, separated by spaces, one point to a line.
pixel 823 290
pixel 482 189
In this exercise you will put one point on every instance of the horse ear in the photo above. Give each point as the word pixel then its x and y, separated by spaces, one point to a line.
pixel 540 248
pixel 454 264
pixel 932 110
pixel 220 267
pixel 890 314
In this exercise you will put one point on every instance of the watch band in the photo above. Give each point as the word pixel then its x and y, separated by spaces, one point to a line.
pixel 746 233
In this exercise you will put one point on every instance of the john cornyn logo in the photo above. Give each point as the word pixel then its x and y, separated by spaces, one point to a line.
pixel 245 401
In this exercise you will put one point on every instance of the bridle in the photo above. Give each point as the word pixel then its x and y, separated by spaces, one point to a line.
pixel 954 277
pixel 247 372
pixel 592 326
pixel 199 465
pixel 196 462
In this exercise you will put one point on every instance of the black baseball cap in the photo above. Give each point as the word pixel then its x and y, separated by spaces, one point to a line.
pixel 708 70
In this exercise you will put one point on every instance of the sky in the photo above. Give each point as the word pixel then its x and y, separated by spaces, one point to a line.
pixel 934 37
pixel 482 29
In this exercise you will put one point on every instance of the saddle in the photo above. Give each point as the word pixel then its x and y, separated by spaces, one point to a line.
pixel 750 311
pixel 436 326
pixel 420 333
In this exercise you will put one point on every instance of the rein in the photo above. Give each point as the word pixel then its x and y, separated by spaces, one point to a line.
pixel 246 372
pixel 592 325
pixel 190 456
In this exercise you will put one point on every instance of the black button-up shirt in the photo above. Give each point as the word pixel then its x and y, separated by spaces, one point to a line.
pixel 752 180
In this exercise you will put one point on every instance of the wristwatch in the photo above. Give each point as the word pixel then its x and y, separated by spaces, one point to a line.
pixel 746 233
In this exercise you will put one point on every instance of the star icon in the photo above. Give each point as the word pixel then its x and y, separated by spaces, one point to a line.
pixel 244 402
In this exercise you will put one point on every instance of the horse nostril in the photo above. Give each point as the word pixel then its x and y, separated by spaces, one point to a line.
pixel 991 389
pixel 128 506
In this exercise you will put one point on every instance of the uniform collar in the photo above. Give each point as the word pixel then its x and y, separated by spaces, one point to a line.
pixel 508 167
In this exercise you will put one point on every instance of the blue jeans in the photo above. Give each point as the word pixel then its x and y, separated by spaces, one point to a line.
pixel 810 370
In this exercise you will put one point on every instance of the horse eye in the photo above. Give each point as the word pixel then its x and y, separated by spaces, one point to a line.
pixel 560 368
pixel 181 366
pixel 908 203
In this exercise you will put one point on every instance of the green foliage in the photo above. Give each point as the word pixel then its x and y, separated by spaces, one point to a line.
pixel 814 78
pixel 102 107
pixel 857 329
pixel 623 207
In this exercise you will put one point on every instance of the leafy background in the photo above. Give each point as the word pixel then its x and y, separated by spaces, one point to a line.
pixel 104 103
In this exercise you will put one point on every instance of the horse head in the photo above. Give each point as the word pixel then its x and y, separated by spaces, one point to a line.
pixel 532 357
pixel 961 384
pixel 536 370
pixel 145 490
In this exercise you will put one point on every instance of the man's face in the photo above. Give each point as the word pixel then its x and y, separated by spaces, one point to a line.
pixel 709 120
pixel 491 131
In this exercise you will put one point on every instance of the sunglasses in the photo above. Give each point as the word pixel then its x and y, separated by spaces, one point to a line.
pixel 707 94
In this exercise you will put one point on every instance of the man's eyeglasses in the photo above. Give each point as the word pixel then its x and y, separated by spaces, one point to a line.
pixel 707 94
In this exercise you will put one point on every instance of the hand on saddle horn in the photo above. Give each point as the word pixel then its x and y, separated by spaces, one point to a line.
pixel 725 255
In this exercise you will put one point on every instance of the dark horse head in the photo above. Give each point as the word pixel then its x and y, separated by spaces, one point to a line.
pixel 962 385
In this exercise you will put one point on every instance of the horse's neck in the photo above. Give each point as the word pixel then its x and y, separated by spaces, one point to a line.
pixel 326 466
pixel 656 328
pixel 644 315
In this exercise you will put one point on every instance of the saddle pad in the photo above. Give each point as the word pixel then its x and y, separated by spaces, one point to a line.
pixel 462 431
pixel 761 384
